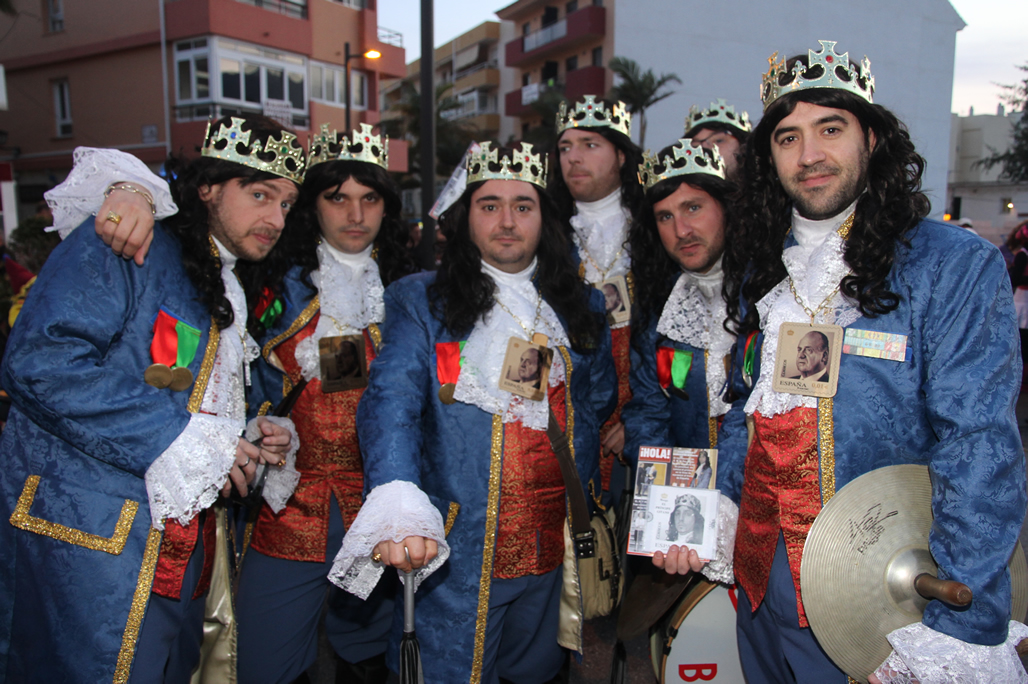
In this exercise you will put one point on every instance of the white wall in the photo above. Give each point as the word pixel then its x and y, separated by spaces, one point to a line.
pixel 720 49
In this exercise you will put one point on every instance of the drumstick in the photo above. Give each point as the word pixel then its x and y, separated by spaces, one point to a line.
pixel 947 591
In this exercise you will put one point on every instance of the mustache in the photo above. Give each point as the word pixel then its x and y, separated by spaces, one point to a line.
pixel 689 242
pixel 819 169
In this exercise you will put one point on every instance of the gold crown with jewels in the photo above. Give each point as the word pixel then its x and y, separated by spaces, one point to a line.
pixel 522 165
pixel 363 146
pixel 719 112
pixel 683 160
pixel 825 69
pixel 588 113
pixel 286 157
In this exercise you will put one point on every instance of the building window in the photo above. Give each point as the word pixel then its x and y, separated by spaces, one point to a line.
pixel 356 4
pixel 571 63
pixel 328 84
pixel 598 56
pixel 597 3
pixel 526 78
pixel 55 15
pixel 1006 205
pixel 62 109
pixel 227 77
pixel 571 7
pixel 526 28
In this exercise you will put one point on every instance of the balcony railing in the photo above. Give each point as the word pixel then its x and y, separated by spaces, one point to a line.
pixel 547 35
pixel 476 67
pixel 211 110
pixel 390 37
pixel 290 8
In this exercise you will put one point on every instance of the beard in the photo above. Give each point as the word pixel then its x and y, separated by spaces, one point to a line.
pixel 818 204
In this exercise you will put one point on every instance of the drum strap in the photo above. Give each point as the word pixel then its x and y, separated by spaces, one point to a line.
pixel 581 527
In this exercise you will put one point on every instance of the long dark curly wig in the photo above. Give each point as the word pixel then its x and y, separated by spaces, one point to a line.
pixel 892 205
pixel 654 270
pixel 191 224
pixel 631 192
pixel 463 293
pixel 304 229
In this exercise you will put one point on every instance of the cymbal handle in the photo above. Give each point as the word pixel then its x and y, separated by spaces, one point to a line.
pixel 954 593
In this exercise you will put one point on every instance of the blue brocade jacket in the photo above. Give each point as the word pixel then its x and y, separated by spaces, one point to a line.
pixel 77 551
pixel 949 405
pixel 454 454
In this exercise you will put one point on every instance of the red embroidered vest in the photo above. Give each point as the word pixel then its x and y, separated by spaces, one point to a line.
pixel 530 527
pixel 781 491
pixel 329 461
pixel 620 342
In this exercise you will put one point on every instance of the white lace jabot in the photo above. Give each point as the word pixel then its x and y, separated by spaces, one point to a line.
pixel 694 314
pixel 483 354
pixel 600 233
pixel 816 267
pixel 351 295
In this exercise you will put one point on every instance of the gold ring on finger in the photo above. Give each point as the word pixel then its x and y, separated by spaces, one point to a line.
pixel 113 217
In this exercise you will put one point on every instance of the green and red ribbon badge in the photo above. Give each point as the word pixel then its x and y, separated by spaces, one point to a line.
pixel 673 367
pixel 269 308
pixel 749 355
pixel 173 348
pixel 447 368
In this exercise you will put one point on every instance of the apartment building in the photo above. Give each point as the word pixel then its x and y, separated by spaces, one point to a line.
pixel 471 64
pixel 562 46
pixel 145 76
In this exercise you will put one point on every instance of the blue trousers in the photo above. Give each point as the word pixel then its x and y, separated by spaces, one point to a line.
pixel 773 648
pixel 521 630
pixel 169 641
pixel 279 605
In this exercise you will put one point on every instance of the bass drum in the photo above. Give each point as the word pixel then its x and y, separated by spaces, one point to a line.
pixel 696 642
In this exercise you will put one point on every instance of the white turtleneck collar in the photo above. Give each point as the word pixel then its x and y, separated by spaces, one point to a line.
pixel 503 278
pixel 709 283
pixel 228 259
pixel 810 234
pixel 354 261
pixel 601 208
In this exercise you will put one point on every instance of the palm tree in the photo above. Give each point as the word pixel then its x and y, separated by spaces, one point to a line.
pixel 639 89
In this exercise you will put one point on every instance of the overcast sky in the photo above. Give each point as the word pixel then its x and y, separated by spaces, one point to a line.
pixel 994 41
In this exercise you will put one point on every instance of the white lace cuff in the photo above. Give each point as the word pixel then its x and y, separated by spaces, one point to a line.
pixel 188 476
pixel 82 192
pixel 925 656
pixel 720 569
pixel 282 481
pixel 392 512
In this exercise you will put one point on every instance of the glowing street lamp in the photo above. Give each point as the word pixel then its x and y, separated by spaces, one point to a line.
pixel 370 54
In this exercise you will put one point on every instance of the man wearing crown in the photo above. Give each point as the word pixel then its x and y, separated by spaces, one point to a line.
pixel 680 347
pixel 458 468
pixel 719 126
pixel 833 237
pixel 597 192
pixel 347 241
pixel 128 385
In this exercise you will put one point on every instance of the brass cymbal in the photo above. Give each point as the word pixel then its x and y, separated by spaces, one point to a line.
pixel 860 560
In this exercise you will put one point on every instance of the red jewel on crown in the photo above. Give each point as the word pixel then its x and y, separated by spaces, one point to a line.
pixel 829 59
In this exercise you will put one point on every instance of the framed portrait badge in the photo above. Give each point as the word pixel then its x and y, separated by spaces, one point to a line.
pixel 616 299
pixel 807 359
pixel 343 364
pixel 526 369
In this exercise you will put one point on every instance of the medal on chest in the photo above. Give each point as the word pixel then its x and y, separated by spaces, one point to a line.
pixel 807 359
pixel 343 363
pixel 173 348
pixel 616 300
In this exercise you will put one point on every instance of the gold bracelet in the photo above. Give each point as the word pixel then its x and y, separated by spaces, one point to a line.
pixel 128 187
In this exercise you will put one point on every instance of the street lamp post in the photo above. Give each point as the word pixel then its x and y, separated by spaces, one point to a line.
pixel 370 54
